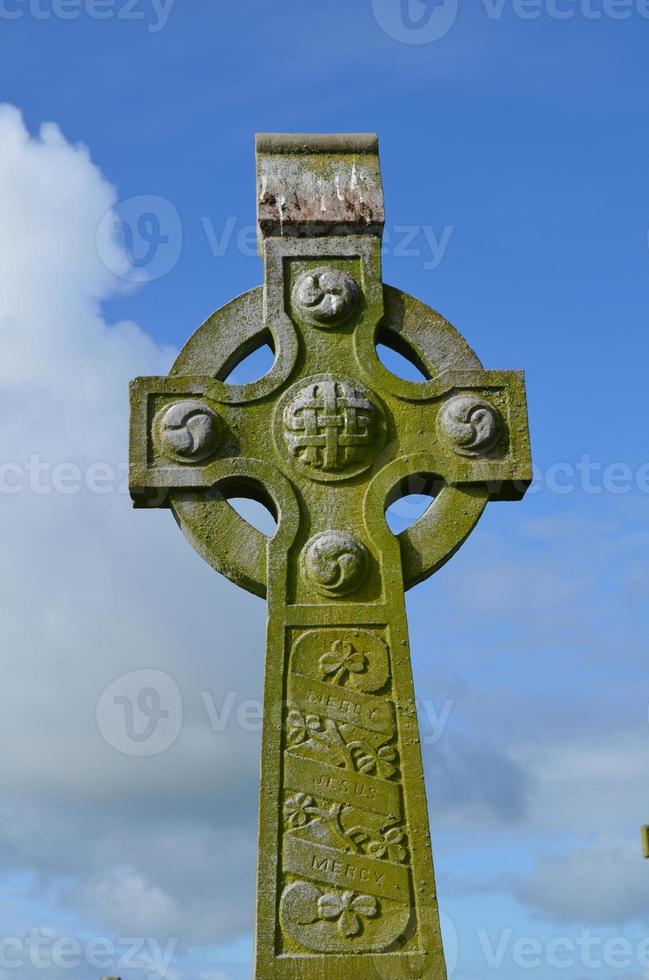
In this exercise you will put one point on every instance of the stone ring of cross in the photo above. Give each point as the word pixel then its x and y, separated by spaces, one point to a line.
pixel 327 440
pixel 328 434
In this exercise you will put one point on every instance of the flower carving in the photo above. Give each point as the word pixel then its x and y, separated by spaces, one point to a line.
pixel 348 911
pixel 369 760
pixel 299 809
pixel 300 727
pixel 341 661
pixel 390 845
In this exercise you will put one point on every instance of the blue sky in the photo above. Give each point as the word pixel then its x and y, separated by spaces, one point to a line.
pixel 514 145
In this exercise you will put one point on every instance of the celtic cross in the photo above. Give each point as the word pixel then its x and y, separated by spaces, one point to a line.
pixel 327 440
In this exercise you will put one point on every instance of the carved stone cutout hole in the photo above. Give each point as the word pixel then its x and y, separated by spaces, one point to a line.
pixel 410 499
pixel 251 502
pixel 398 357
pixel 250 363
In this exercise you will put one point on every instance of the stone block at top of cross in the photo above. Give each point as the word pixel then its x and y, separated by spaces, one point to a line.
pixel 315 184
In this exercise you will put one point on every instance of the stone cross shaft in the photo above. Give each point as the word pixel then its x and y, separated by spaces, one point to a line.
pixel 327 440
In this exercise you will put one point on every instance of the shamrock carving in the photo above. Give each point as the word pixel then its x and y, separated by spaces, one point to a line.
pixel 299 808
pixel 348 911
pixel 341 661
pixel 300 727
pixel 369 760
pixel 389 845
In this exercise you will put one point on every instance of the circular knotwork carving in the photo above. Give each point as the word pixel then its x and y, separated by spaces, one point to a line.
pixel 332 427
pixel 325 297
pixel 470 425
pixel 335 563
pixel 187 431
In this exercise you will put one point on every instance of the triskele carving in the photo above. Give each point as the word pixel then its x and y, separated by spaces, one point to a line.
pixel 187 431
pixel 325 297
pixel 470 425
pixel 335 563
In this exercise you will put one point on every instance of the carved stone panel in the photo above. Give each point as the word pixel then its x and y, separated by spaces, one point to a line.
pixel 345 857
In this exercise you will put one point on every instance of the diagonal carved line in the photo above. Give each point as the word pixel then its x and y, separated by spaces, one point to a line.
pixel 342 704
pixel 341 786
pixel 362 874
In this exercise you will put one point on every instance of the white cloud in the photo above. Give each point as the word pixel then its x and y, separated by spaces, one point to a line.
pixel 602 884
pixel 473 782
pixel 91 590
pixel 587 782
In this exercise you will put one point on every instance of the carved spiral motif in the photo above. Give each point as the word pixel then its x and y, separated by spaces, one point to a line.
pixel 470 425
pixel 187 431
pixel 335 563
pixel 325 297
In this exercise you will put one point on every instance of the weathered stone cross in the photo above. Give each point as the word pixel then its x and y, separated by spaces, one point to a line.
pixel 328 439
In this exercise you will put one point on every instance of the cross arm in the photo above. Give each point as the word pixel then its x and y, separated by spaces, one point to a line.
pixel 184 437
pixel 473 427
